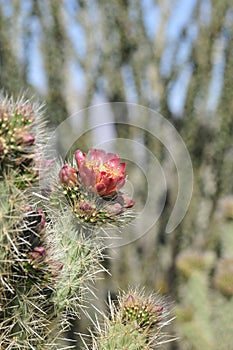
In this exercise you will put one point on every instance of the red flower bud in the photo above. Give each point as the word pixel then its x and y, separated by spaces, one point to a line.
pixel 128 201
pixel 38 253
pixel 85 207
pixel 68 175
pixel 114 209
pixel 130 300
pixel 40 250
pixel 42 223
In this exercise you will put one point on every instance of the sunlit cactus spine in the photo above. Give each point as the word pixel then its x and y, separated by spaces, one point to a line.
pixel 136 322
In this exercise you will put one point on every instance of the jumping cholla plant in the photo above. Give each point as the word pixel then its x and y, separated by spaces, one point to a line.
pixel 136 322
pixel 49 250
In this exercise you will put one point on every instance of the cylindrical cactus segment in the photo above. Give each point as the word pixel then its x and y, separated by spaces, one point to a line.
pixel 122 337
pixel 136 322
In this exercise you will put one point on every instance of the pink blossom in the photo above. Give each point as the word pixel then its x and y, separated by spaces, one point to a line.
pixel 101 172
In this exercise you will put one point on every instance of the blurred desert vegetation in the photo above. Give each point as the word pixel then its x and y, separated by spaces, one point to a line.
pixel 175 57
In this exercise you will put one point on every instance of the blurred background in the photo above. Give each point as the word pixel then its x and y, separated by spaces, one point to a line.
pixel 175 57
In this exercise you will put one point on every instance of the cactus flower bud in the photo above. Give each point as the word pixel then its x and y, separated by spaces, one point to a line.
pixel 114 209
pixel 38 253
pixel 128 201
pixel 130 300
pixel 68 176
pixel 42 222
pixel 85 207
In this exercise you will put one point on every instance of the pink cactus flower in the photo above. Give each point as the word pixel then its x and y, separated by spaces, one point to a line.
pixel 101 172
pixel 68 175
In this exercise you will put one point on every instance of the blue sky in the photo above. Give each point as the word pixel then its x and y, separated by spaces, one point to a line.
pixel 181 15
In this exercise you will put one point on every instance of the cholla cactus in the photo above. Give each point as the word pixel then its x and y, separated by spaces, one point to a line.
pixel 46 264
pixel 27 278
pixel 190 261
pixel 136 322
pixel 223 276
pixel 26 272
pixel 48 257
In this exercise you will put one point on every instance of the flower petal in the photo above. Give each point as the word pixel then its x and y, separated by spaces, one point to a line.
pixel 87 175
pixel 113 162
pixel 122 168
pixel 96 155
pixel 80 157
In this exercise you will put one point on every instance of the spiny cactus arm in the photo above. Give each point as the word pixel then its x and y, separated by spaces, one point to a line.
pixel 45 263
pixel 78 211
pixel 136 322
pixel 81 263
pixel 22 135
pixel 25 277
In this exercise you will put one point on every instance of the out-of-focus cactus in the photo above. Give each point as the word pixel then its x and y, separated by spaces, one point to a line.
pixel 27 276
pixel 195 312
pixel 223 279
pixel 206 286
